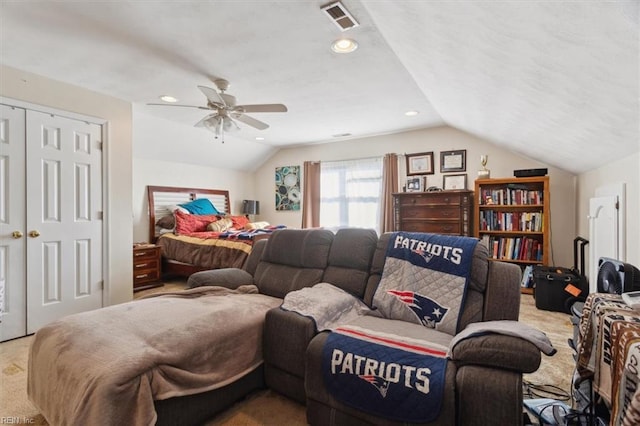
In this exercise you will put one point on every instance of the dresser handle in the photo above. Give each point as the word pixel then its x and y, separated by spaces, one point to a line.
pixel 446 200
pixel 140 253
pixel 447 228
pixel 445 213
pixel 142 276
pixel 142 265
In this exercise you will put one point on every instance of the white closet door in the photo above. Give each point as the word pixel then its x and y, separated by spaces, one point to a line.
pixel 603 234
pixel 64 218
pixel 13 316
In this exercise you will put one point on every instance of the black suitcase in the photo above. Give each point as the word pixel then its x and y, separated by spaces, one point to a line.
pixel 558 288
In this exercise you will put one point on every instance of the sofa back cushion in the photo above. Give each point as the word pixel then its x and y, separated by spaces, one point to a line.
pixel 350 259
pixel 472 311
pixel 293 259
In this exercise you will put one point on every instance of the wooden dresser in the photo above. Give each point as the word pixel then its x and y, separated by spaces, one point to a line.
pixel 443 212
pixel 146 266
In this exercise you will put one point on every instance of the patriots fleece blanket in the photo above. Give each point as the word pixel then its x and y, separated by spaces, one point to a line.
pixel 384 375
pixel 424 279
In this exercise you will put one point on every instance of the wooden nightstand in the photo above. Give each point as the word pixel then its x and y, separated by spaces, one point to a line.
pixel 146 266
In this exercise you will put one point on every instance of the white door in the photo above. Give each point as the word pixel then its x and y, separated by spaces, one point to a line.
pixel 13 291
pixel 603 234
pixel 64 217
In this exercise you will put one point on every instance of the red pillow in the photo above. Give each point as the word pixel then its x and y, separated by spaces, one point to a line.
pixel 238 221
pixel 189 223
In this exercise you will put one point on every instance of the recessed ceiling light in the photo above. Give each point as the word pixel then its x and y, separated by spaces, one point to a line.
pixel 168 98
pixel 259 138
pixel 411 113
pixel 344 45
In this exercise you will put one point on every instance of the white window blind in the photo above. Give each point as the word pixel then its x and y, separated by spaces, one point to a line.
pixel 350 193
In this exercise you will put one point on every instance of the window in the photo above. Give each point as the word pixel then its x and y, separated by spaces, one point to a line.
pixel 350 193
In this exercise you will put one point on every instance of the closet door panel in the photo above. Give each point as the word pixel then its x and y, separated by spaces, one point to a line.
pixel 64 217
pixel 12 223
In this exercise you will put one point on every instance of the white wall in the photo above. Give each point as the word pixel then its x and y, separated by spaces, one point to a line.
pixel 501 163
pixel 163 173
pixel 625 170
pixel 39 90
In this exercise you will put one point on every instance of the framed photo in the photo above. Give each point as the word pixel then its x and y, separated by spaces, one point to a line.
pixel 455 182
pixel 420 164
pixel 415 184
pixel 453 161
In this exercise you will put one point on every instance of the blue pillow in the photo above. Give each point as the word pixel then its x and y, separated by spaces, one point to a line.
pixel 200 206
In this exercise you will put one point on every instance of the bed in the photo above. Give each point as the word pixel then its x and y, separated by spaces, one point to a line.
pixel 186 252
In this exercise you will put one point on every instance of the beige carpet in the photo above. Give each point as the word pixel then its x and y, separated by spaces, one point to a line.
pixel 266 407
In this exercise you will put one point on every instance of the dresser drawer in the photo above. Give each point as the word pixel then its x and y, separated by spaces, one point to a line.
pixel 432 227
pixel 426 199
pixel 418 212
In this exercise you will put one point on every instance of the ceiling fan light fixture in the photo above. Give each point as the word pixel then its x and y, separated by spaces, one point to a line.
pixel 168 98
pixel 344 45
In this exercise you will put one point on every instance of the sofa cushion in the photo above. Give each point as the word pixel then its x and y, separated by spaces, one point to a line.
pixel 350 259
pixel 293 259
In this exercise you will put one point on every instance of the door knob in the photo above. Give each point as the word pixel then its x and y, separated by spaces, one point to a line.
pixel 16 234
pixel 34 234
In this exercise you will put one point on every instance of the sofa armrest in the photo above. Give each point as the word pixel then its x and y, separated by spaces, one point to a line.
pixel 227 277
pixel 503 284
pixel 497 351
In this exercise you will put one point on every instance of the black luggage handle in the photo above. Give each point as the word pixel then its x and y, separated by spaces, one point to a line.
pixel 566 279
pixel 582 242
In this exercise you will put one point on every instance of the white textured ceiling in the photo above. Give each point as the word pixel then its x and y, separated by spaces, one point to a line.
pixel 555 80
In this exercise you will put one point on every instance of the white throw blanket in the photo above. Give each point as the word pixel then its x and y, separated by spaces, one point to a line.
pixel 328 305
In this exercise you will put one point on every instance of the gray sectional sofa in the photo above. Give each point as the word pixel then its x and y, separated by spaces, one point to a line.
pixel 483 377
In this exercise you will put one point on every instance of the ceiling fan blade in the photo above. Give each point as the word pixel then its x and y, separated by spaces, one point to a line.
pixel 262 108
pixel 184 106
pixel 213 96
pixel 250 121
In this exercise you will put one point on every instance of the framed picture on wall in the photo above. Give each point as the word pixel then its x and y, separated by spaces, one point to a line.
pixel 453 161
pixel 420 164
pixel 454 182
pixel 415 184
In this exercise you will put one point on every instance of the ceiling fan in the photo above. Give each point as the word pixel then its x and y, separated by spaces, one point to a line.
pixel 225 111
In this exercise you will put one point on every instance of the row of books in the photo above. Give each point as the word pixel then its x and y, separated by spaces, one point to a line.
pixel 510 196
pixel 514 248
pixel 491 220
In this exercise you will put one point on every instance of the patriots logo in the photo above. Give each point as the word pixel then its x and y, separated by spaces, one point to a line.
pixel 428 311
pixel 424 254
pixel 381 384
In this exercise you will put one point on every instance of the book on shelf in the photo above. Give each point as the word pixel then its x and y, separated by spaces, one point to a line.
pixel 511 196
pixel 515 248
pixel 527 277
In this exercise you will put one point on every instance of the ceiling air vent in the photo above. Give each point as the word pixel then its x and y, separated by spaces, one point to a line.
pixel 340 16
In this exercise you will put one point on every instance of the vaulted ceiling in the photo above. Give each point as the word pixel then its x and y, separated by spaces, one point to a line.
pixel 557 81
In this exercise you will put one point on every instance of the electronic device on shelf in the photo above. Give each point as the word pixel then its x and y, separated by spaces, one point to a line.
pixel 530 172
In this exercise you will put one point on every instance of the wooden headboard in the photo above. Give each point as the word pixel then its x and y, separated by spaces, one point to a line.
pixel 160 197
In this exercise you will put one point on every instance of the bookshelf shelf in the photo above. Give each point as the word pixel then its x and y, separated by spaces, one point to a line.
pixel 511 216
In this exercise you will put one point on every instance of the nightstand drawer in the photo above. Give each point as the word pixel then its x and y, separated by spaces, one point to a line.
pixel 145 253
